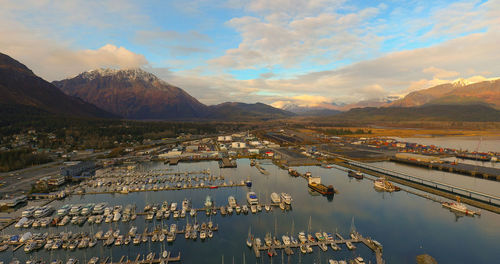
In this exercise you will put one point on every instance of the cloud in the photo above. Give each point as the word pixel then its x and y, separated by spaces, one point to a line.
pixel 178 43
pixel 294 32
pixel 440 73
pixel 52 60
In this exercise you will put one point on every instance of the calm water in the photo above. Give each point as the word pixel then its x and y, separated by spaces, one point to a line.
pixel 405 224
pixel 483 144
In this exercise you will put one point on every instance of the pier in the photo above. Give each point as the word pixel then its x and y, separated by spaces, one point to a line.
pixel 170 188
pixel 340 240
pixel 488 173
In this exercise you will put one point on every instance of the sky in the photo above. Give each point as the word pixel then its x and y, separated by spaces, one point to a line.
pixel 303 52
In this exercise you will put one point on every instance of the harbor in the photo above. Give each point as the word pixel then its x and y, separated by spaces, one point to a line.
pixel 304 206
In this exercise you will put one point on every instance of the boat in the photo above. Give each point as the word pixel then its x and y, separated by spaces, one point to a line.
pixel 323 246
pixel 275 198
pixel 359 260
pixel 253 209
pixel 302 237
pixel 170 237
pixel 238 209
pixel 203 234
pixel 21 222
pixel 64 210
pixel 208 201
pixel 133 231
pixel 332 261
pixel 303 249
pixel 173 207
pixel 268 239
pixel 75 209
pixel 116 216
pixel 286 198
pixel 334 246
pixel 282 206
pixel 252 198
pixel 29 211
pixel 185 204
pixel 350 246
pixel 210 234
pixel 319 236
pixel 384 185
pixel 244 209
pixel 267 207
pixel 229 210
pixel 87 209
pixel 231 201
pixel 459 207
pixel 99 208
pixel 94 260
pixel 43 211
pixel 355 174
pixel 286 240
pixel 315 184
pixel 72 261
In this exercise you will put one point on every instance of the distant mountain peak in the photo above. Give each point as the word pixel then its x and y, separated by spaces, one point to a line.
pixel 130 74
pixel 461 82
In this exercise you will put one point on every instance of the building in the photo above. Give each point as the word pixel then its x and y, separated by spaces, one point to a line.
pixel 82 168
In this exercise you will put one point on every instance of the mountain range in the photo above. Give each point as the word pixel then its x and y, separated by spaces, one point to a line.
pixel 138 95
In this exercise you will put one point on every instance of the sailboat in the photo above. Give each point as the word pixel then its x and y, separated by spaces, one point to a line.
pixel 250 238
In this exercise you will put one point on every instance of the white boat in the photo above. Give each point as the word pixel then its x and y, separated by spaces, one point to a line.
pixel 25 237
pixel 286 198
pixel 253 209
pixel 116 216
pixel 359 260
pixel 350 246
pixel 185 205
pixel 75 209
pixel 231 201
pixel 302 237
pixel 275 198
pixel 208 201
pixel 99 208
pixel 460 207
pixel 133 231
pixel 286 240
pixel 252 198
pixel 43 211
pixel 383 185
pixel 29 211
pixel 21 222
pixel 173 207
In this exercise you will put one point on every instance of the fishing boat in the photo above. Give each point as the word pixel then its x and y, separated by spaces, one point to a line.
pixel 315 184
pixel 355 174
pixel 275 198
pixel 384 185
pixel 252 198
pixel 460 207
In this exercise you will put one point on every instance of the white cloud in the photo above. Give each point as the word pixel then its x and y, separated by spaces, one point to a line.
pixel 295 32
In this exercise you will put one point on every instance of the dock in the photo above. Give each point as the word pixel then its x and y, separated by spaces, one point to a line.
pixel 340 240
pixel 171 188
pixel 261 170
pixel 487 173
pixel 227 163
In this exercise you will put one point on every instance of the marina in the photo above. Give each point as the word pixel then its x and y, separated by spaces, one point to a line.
pixel 152 232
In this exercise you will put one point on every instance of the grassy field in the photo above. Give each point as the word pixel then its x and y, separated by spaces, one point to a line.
pixel 411 132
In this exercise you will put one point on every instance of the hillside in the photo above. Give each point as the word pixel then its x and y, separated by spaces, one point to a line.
pixel 459 93
pixel 240 111
pixel 469 113
pixel 21 88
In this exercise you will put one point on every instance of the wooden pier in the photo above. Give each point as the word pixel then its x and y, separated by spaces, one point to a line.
pixel 172 188
pixel 360 239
